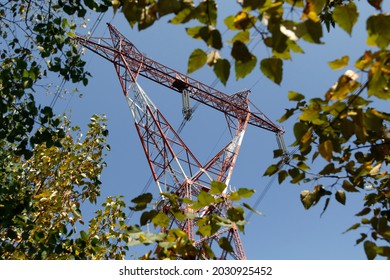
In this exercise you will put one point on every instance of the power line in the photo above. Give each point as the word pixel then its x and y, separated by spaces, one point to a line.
pixel 269 184
pixel 262 195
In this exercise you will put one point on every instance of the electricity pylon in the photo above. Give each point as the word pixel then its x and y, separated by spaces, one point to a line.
pixel 174 167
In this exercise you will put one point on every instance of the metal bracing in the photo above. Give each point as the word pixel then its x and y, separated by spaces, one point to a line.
pixel 109 48
pixel 174 167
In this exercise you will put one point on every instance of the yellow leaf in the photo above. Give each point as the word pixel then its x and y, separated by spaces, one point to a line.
pixel 313 16
pixel 375 169
pixel 339 63
pixel 312 9
pixel 244 21
pixel 326 149
pixel 364 61
pixel 115 5
pixel 307 136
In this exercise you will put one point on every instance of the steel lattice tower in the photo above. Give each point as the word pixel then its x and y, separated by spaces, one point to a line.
pixel 174 167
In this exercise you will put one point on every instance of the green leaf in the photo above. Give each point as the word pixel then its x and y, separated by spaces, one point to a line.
pixel 229 22
pixel 247 206
pixel 383 251
pixel 204 230
pixel 293 46
pixel 300 130
pixel 310 31
pixel 240 52
pixel 197 59
pixel 161 220
pixel 147 216
pixel 246 193
pixel 364 61
pixel 244 68
pixel 278 153
pixel 234 196
pixel 339 63
pixel 235 214
pixel 278 42
pixel 361 239
pixel 335 109
pixel 296 175
pixel 282 175
pixel 370 249
pixel 215 39
pixel 328 169
pixel 217 187
pixel 47 111
pixel 222 70
pixel 383 228
pixel 224 243
pixel 272 68
pixel 206 12
pixel 353 227
pixel 340 196
pixel 346 16
pixel 198 32
pixel 379 80
pixel 141 201
pixel 310 114
pixel 287 115
pixel 165 7
pixel 325 206
pixel 364 212
pixel 303 166
pixel 183 16
pixel 285 55
pixel 178 214
pixel 147 18
pixel 83 235
pixel 316 5
pixel 272 169
pixel 307 198
pixel 205 198
pixel 295 96
pixel 378 27
pixel 253 4
pixel 347 186
pixel 242 36
pixel 143 198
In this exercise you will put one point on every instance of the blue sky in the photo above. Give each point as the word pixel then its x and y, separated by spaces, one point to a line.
pixel 287 230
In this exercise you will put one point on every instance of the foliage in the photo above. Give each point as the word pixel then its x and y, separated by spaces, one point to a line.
pixel 350 141
pixel 347 136
pixel 35 42
pixel 268 19
pixel 174 243
pixel 45 176
pixel 41 198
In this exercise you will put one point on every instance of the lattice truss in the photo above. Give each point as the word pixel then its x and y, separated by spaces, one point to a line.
pixel 174 167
